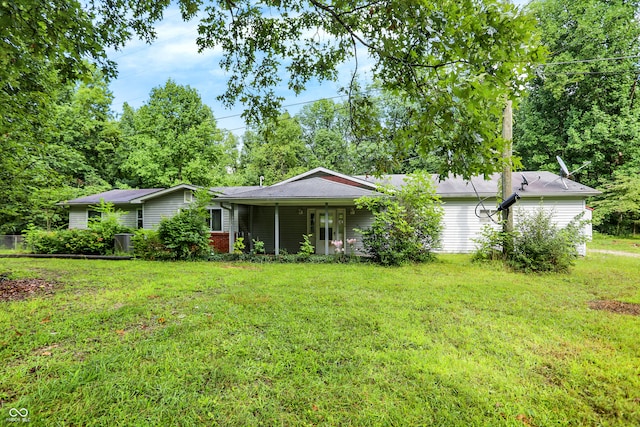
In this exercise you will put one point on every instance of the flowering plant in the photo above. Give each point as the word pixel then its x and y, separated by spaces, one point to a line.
pixel 338 245
pixel 351 243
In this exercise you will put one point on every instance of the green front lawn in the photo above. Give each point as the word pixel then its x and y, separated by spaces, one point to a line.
pixel 611 243
pixel 451 343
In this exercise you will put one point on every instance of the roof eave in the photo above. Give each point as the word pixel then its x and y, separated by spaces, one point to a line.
pixel 289 201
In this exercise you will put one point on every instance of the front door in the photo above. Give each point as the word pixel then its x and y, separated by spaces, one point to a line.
pixel 334 231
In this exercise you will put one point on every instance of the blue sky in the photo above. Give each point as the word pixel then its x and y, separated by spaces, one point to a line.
pixel 174 55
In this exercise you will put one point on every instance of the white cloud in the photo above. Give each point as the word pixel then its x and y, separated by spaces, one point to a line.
pixel 174 55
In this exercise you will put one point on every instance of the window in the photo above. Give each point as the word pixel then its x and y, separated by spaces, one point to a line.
pixel 188 196
pixel 140 218
pixel 214 221
pixel 93 215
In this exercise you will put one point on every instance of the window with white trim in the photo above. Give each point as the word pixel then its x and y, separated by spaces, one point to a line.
pixel 140 218
pixel 214 220
pixel 188 196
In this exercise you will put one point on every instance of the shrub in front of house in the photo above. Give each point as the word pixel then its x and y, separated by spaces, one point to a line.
pixel 98 239
pixel 185 235
pixel 147 245
pixel 74 241
pixel 43 242
pixel 107 225
pixel 539 245
pixel 407 222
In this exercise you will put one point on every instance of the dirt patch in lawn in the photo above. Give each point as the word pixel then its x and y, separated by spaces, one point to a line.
pixel 19 289
pixel 616 307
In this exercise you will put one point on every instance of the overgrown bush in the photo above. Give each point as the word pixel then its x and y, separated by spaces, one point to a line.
pixel 107 225
pixel 489 246
pixel 43 242
pixel 407 222
pixel 539 245
pixel 186 235
pixel 74 241
pixel 147 245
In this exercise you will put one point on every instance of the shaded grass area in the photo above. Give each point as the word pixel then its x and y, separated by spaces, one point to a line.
pixel 448 343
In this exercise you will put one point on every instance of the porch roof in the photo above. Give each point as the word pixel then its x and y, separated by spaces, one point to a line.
pixel 309 191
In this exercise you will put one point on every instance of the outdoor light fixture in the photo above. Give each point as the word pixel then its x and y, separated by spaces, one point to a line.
pixel 508 202
pixel 300 212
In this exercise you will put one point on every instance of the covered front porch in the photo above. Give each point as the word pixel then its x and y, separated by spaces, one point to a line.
pixel 281 226
pixel 320 203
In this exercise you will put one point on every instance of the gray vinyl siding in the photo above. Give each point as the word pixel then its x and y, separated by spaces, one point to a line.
pixel 78 217
pixel 226 219
pixel 361 219
pixel 292 227
pixel 263 226
pixel 128 218
pixel 163 207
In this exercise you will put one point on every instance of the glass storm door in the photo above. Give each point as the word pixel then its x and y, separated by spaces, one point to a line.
pixel 335 220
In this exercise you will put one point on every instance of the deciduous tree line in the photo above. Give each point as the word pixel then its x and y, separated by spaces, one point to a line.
pixel 442 73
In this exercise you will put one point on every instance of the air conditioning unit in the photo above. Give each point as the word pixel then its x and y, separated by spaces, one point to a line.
pixel 123 242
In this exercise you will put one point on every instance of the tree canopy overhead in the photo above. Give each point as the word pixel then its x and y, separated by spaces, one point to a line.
pixel 583 105
pixel 457 61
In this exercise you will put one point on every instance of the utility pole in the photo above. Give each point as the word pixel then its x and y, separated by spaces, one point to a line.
pixel 507 135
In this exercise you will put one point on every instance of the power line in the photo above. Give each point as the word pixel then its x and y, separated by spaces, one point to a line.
pixel 580 61
pixel 288 105
pixel 605 73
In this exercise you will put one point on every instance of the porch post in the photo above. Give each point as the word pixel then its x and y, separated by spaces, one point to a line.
pixel 277 231
pixel 232 216
pixel 326 228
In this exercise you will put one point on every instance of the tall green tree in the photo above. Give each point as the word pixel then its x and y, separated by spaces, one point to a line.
pixel 324 126
pixel 275 151
pixel 62 154
pixel 84 137
pixel 458 60
pixel 618 211
pixel 173 139
pixel 583 105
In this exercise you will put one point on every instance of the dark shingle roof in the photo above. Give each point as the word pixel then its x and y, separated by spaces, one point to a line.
pixel 227 191
pixel 309 188
pixel 540 183
pixel 112 196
